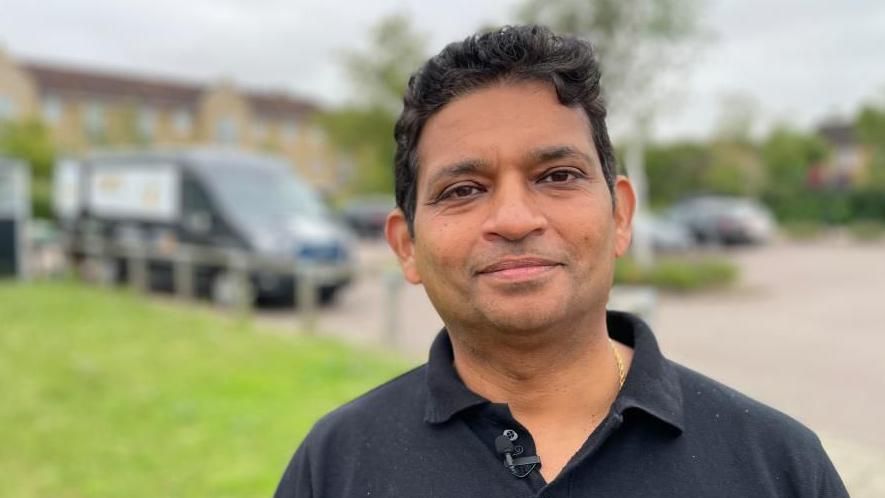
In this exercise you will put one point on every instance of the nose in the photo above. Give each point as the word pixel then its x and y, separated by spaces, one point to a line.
pixel 514 213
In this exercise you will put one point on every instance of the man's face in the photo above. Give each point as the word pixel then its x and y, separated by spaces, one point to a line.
pixel 514 225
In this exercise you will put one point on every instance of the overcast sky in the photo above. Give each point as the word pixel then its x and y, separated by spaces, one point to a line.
pixel 800 60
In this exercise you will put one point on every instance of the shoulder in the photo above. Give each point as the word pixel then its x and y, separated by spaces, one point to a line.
pixel 395 403
pixel 338 443
pixel 706 399
pixel 758 436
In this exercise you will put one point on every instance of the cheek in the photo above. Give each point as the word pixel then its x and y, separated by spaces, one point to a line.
pixel 596 240
pixel 591 231
pixel 443 249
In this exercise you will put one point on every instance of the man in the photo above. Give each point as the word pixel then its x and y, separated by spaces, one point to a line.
pixel 511 215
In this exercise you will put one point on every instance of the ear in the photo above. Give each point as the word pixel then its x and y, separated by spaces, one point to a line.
pixel 624 207
pixel 400 240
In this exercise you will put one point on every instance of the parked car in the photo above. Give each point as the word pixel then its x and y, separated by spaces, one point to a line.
pixel 366 215
pixel 724 219
pixel 666 235
pixel 210 200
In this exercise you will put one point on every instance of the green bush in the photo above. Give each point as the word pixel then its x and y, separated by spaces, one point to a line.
pixel 867 230
pixel 678 274
pixel 834 207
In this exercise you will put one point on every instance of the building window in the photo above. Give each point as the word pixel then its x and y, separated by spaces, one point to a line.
pixel 95 125
pixel 226 131
pixel 52 109
pixel 147 123
pixel 7 107
pixel 182 121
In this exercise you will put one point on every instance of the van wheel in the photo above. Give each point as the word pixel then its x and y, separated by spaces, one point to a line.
pixel 229 290
pixel 326 295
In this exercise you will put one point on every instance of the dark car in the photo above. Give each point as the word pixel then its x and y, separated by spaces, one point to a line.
pixel 366 215
pixel 724 219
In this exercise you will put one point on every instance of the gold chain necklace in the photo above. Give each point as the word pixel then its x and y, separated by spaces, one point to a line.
pixel 621 375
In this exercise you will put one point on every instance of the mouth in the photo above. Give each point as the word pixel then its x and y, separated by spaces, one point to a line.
pixel 518 268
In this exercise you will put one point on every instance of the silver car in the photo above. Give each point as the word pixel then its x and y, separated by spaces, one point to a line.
pixel 725 220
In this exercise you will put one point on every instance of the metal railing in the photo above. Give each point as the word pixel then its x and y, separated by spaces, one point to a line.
pixel 236 265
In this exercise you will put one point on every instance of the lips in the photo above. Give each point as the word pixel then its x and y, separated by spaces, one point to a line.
pixel 516 263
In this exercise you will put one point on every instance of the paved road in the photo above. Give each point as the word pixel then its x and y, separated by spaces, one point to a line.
pixel 804 331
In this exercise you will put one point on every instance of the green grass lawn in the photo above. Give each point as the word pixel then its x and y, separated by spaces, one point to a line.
pixel 104 394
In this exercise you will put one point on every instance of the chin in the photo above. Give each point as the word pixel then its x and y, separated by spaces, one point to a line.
pixel 520 316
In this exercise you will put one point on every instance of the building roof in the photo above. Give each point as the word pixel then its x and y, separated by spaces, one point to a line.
pixel 275 103
pixel 67 80
pixel 58 79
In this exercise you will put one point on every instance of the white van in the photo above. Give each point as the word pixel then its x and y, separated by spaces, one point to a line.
pixel 216 200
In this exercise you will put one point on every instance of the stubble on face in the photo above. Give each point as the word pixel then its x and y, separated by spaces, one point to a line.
pixel 507 209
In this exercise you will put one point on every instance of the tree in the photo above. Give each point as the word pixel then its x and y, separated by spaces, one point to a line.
pixel 366 136
pixel 738 113
pixel 788 156
pixel 363 129
pixel 735 169
pixel 870 125
pixel 31 142
pixel 676 170
pixel 636 41
pixel 379 73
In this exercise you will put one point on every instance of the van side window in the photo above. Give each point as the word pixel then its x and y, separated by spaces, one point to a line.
pixel 194 198
pixel 198 220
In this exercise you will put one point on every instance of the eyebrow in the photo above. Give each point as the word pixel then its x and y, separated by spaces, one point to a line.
pixel 459 168
pixel 552 153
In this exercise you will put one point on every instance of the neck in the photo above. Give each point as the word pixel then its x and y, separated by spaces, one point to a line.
pixel 570 373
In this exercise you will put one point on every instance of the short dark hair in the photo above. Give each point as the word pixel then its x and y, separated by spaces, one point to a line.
pixel 514 54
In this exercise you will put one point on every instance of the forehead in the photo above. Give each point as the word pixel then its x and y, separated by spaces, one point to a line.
pixel 502 122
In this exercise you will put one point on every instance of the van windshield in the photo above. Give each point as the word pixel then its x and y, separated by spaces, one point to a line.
pixel 262 194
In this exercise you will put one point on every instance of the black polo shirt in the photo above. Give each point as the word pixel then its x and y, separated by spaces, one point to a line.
pixel 671 432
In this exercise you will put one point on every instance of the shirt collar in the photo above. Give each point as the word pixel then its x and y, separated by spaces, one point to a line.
pixel 651 386
pixel 448 394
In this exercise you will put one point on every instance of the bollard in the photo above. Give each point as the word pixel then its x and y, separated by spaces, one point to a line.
pixel 98 269
pixel 138 269
pixel 393 283
pixel 306 298
pixel 242 285
pixel 184 273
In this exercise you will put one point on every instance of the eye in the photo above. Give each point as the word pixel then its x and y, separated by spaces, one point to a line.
pixel 560 176
pixel 460 192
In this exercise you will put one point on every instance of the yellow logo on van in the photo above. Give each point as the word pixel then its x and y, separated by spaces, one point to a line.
pixel 109 183
pixel 151 196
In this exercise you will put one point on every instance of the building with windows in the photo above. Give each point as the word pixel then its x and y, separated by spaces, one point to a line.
pixel 87 109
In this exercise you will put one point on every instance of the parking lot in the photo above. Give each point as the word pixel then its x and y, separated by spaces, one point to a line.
pixel 804 331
